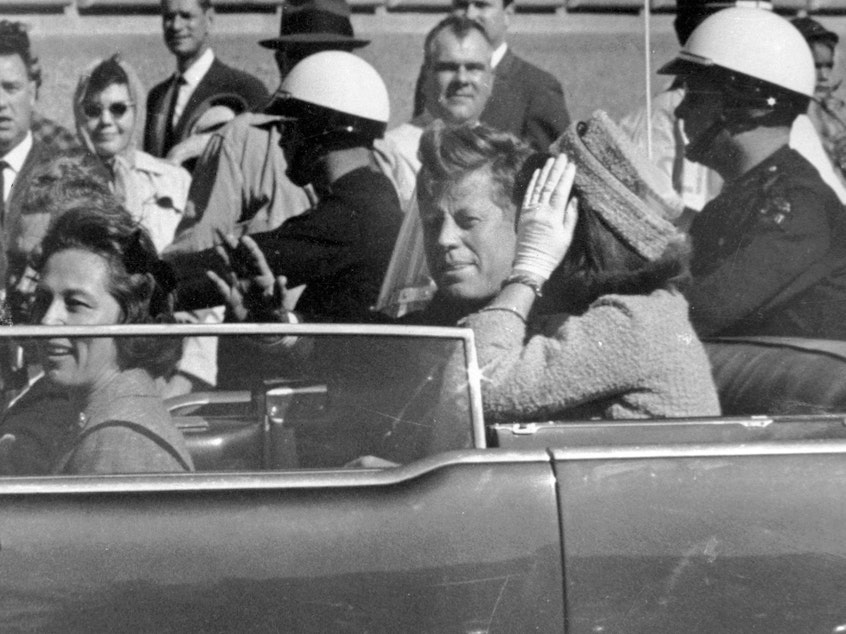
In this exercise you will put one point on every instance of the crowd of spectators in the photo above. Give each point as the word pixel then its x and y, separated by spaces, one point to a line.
pixel 587 272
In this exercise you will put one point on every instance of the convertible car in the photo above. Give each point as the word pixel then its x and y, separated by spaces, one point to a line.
pixel 346 482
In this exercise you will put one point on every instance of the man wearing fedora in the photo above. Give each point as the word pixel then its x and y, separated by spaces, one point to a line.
pixel 243 161
pixel 199 77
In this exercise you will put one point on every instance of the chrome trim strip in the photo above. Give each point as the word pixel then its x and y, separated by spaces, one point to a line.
pixel 754 421
pixel 768 448
pixel 291 480
pixel 189 330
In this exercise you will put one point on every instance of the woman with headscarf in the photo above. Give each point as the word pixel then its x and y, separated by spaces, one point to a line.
pixel 108 107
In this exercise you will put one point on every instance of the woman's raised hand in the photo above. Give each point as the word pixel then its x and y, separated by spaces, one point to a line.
pixel 547 219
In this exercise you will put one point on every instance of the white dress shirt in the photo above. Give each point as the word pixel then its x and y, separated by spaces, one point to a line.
pixel 498 54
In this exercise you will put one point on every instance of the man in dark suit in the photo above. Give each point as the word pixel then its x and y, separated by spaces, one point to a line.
pixel 199 80
pixel 526 101
pixel 20 153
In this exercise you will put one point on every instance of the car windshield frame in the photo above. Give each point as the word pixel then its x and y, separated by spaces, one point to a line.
pixel 28 484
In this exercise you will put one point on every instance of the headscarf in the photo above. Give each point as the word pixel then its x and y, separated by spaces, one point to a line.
pixel 122 164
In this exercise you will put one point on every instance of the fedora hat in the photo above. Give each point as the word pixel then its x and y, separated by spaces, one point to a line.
pixel 315 22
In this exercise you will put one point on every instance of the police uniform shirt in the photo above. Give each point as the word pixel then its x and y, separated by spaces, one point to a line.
pixel 766 255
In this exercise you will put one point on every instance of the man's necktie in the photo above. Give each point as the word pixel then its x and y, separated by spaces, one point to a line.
pixel 169 124
pixel 178 82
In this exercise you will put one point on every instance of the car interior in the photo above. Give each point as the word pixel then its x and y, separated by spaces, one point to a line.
pixel 404 398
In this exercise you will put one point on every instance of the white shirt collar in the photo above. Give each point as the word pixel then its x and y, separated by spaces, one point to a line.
pixel 498 54
pixel 17 155
pixel 198 69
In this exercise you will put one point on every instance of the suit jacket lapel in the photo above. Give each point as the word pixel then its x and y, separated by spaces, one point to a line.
pixel 505 68
pixel 36 155
pixel 208 86
pixel 11 223
pixel 504 101
pixel 162 112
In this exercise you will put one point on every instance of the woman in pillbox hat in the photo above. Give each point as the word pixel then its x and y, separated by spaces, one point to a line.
pixel 590 323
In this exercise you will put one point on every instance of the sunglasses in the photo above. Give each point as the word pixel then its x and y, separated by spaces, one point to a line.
pixel 117 109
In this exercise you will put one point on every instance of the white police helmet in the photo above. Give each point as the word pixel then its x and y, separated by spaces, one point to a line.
pixel 334 90
pixel 758 53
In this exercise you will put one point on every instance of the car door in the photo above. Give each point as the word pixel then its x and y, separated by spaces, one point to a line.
pixel 709 525
pixel 454 539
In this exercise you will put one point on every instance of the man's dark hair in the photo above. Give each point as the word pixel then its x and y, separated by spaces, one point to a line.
pixel 460 26
pixel 813 32
pixel 14 40
pixel 448 154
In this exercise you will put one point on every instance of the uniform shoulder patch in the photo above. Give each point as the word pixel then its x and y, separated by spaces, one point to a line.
pixel 775 206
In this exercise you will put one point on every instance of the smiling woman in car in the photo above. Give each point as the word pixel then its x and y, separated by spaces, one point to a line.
pixel 611 338
pixel 98 267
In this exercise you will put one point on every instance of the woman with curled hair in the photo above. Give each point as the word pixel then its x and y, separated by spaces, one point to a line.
pixel 573 300
pixel 98 267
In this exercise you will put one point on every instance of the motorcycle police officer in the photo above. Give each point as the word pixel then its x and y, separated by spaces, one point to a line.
pixel 769 251
pixel 333 106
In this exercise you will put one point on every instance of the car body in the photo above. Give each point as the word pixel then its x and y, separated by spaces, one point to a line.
pixel 695 525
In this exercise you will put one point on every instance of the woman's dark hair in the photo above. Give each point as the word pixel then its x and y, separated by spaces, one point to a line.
pixel 55 181
pixel 600 263
pixel 106 73
pixel 141 284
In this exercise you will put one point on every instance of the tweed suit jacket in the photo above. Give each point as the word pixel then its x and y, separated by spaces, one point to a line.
pixel 219 80
pixel 526 101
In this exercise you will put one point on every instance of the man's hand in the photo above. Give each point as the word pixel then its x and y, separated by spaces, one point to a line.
pixel 251 291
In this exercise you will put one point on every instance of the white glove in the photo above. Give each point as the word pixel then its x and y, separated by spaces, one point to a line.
pixel 547 221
